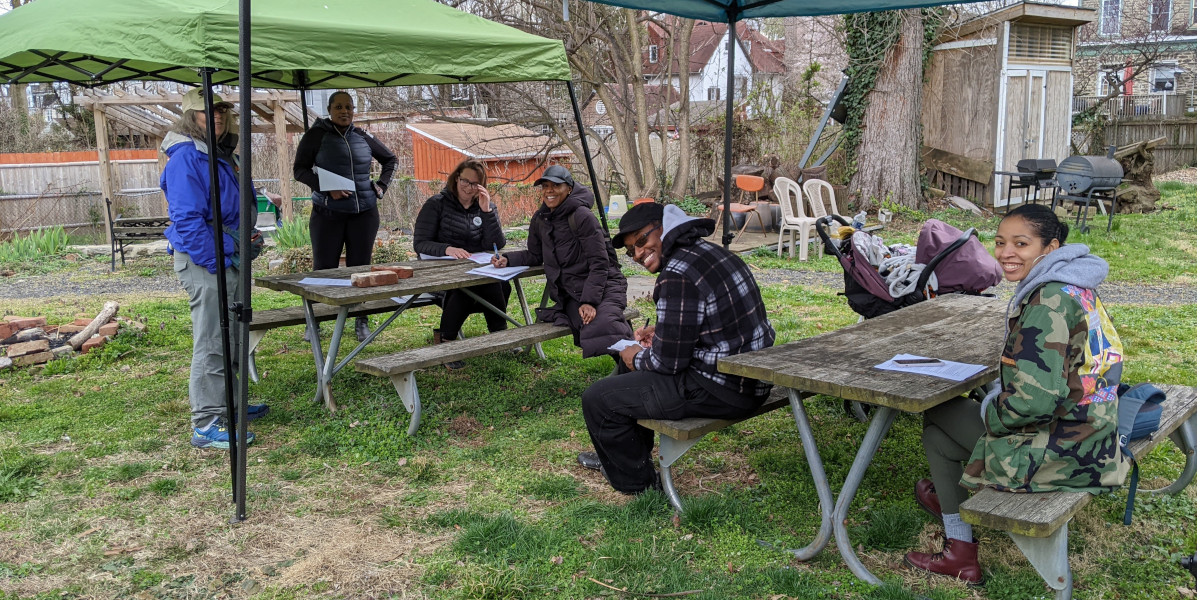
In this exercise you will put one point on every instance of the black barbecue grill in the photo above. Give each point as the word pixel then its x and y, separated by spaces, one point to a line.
pixel 1084 179
pixel 1034 174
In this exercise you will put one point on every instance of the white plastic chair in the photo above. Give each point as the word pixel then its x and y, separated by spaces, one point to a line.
pixel 794 219
pixel 818 191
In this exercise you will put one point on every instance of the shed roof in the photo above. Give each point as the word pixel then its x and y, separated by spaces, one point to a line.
pixel 502 141
pixel 1025 12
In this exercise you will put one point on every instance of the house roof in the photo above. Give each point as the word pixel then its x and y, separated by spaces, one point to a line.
pixel 657 97
pixel 502 141
pixel 766 55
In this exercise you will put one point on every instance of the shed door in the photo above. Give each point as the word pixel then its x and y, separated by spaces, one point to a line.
pixel 1025 117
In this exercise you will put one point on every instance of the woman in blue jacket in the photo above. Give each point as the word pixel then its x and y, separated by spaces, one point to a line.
pixel 186 183
pixel 347 218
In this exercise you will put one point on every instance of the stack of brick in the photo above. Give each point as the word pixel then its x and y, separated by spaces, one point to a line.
pixel 26 341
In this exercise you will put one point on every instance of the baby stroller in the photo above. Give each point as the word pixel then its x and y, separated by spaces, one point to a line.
pixel 946 260
pixel 953 260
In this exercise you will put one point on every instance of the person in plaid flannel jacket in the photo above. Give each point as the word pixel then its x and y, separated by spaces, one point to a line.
pixel 708 306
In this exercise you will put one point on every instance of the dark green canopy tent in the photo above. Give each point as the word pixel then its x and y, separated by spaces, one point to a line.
pixel 297 44
pixel 732 11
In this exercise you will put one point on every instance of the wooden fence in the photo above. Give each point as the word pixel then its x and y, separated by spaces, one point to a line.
pixel 68 194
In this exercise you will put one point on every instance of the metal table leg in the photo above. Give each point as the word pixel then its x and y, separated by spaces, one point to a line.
pixel 524 309
pixel 817 468
pixel 880 424
pixel 325 365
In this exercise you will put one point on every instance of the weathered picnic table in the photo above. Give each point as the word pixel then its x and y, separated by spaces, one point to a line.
pixel 429 276
pixel 842 363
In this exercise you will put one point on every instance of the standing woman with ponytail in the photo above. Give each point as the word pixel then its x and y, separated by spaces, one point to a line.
pixel 348 218
pixel 1049 422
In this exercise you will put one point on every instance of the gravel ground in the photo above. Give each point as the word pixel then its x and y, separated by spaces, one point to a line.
pixel 94 280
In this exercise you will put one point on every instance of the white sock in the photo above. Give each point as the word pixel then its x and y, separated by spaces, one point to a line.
pixel 956 528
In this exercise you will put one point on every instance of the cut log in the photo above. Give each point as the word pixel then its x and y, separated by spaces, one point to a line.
pixel 106 314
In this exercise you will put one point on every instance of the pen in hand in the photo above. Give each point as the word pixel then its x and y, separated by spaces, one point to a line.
pixel 495 251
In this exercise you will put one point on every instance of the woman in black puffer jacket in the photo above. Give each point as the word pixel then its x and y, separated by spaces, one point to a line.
pixel 458 221
pixel 343 218
pixel 583 276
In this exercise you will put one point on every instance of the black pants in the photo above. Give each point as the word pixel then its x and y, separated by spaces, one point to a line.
pixel 331 231
pixel 949 435
pixel 457 306
pixel 612 406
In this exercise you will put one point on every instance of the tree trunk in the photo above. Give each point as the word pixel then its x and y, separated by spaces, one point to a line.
pixel 887 164
pixel 649 182
pixel 683 168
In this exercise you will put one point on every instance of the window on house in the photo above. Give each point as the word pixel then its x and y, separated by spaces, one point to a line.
pixel 1109 78
pixel 1043 44
pixel 714 93
pixel 1162 79
pixel 1110 17
pixel 1160 15
pixel 653 53
pixel 1192 16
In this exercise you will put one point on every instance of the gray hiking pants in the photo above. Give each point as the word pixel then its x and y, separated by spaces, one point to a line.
pixel 950 432
pixel 206 385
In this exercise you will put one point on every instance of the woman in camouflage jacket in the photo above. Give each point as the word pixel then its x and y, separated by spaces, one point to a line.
pixel 1050 421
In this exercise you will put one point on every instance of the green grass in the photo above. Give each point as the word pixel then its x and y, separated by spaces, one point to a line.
pixel 101 495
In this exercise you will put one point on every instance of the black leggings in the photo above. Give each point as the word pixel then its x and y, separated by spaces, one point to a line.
pixel 331 231
pixel 457 306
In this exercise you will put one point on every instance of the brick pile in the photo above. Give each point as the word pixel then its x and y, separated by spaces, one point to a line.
pixel 27 341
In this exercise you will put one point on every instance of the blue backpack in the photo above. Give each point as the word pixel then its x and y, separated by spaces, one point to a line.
pixel 1139 410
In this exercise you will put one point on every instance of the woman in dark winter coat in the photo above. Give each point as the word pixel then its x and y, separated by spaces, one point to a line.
pixel 583 276
pixel 458 221
pixel 343 218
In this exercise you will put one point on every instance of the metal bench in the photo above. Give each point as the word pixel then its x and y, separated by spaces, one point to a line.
pixel 675 438
pixel 1037 522
pixel 273 318
pixel 123 232
pixel 401 367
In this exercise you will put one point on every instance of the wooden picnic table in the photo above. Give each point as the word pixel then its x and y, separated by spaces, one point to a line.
pixel 428 276
pixel 955 327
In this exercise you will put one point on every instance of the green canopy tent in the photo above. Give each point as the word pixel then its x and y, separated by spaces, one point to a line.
pixel 732 11
pixel 298 44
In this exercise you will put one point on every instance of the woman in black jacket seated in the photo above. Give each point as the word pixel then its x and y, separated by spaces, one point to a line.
pixel 343 218
pixel 583 276
pixel 458 221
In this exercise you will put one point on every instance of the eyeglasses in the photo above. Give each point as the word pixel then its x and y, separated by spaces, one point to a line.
pixel 467 182
pixel 641 241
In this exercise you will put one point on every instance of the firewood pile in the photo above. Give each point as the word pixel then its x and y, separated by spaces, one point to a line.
pixel 27 341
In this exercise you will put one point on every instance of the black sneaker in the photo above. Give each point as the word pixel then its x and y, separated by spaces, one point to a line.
pixel 589 460
pixel 362 329
pixel 455 365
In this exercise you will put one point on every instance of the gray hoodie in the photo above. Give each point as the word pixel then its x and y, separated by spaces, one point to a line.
pixel 1071 264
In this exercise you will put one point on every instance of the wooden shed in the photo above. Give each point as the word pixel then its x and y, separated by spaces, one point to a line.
pixel 998 89
pixel 511 154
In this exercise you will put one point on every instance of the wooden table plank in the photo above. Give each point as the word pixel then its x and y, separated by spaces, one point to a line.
pixel 428 276
pixel 841 363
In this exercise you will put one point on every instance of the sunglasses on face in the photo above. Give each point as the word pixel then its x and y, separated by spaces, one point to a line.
pixel 640 241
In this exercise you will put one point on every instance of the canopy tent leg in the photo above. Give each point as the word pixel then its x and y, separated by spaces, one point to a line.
pixel 587 154
pixel 242 309
pixel 726 217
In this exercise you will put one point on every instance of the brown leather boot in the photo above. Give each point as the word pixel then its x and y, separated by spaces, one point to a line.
pixel 957 559
pixel 927 498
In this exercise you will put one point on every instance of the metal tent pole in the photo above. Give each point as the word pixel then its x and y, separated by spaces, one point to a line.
pixel 219 250
pixel 242 305
pixel 587 155
pixel 727 219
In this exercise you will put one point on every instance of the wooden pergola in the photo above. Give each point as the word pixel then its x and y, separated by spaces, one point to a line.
pixel 152 114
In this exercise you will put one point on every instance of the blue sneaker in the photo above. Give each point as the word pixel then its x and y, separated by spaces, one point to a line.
pixel 255 412
pixel 216 435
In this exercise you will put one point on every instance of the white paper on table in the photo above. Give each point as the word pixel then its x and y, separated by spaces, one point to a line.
pixel 429 257
pixel 330 181
pixel 324 281
pixel 501 273
pixel 620 345
pixel 482 258
pixel 947 369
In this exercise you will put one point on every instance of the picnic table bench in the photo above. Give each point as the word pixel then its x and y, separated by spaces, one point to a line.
pixel 274 318
pixel 401 367
pixel 1037 522
pixel 124 231
pixel 675 438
